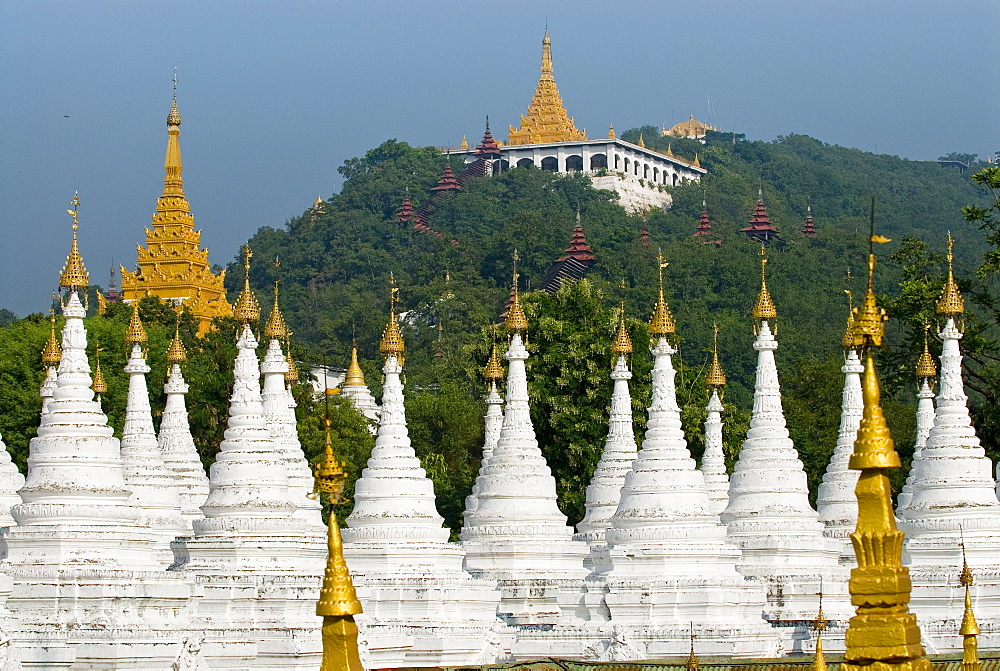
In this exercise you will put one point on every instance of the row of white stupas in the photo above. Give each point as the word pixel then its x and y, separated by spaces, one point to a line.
pixel 124 555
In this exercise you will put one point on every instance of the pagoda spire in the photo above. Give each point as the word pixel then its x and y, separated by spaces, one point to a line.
pixel 355 390
pixel 819 626
pixel 493 421
pixel 74 276
pixel 969 629
pixel 926 371
pixel 447 181
pixel 405 212
pixel 809 228
pixel 760 227
pixel 488 148
pixel 547 119
pixel 579 248
pixel 51 355
pixel 713 460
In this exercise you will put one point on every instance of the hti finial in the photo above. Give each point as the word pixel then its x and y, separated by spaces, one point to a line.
pixel 692 661
pixel 516 319
pixel 869 318
pixel 99 385
pixel 275 327
pixel 176 352
pixel 247 308
pixel 662 323
pixel 74 275
pixel 716 378
pixel 174 117
pixel 136 333
pixel 950 304
pixel 926 368
pixel 493 372
pixel 622 344
pixel 392 337
pixel 970 628
pixel 52 352
pixel 764 309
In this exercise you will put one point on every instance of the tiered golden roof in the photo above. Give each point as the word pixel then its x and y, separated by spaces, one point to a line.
pixel 275 327
pixel 392 338
pixel 493 372
pixel 292 375
pixel 52 352
pixel 970 628
pixel 136 332
pixel 622 344
pixel 926 369
pixel 547 120
pixel 516 319
pixel 715 379
pixel 247 309
pixel 172 266
pixel 98 383
pixel 883 635
pixel 355 377
pixel 847 340
pixel 764 308
pixel 74 275
pixel 950 304
pixel 176 352
pixel 662 323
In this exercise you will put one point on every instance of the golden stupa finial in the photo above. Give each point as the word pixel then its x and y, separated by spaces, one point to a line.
pixel 174 118
pixel 870 319
pixel 52 352
pixel 292 375
pixel 926 368
pixel 622 344
pixel 847 341
pixel 970 628
pixel 697 161
pixel 355 377
pixel 764 308
pixel 883 634
pixel 641 142
pixel 176 352
pixel 136 332
pixel 465 143
pixel 692 660
pixel 950 304
pixel 715 379
pixel 275 327
pixel 99 385
pixel 493 372
pixel 662 323
pixel 819 626
pixel 392 337
pixel 74 275
pixel 516 319
pixel 611 132
pixel 247 309
pixel 670 150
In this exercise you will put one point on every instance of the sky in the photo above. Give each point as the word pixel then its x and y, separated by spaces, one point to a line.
pixel 275 96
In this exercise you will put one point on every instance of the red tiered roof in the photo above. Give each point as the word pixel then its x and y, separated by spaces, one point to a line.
pixel 448 181
pixel 809 228
pixel 705 227
pixel 488 148
pixel 644 237
pixel 579 248
pixel 405 212
pixel 760 227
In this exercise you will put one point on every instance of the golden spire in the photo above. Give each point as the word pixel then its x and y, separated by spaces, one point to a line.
pixel 174 118
pixel 764 308
pixel 697 161
pixel 293 371
pixel 136 332
pixel 969 629
pixel 465 143
pixel 516 319
pixel 173 166
pixel 74 275
pixel 641 142
pixel 275 327
pixel 392 337
pixel 661 324
pixel 99 384
pixel 52 352
pixel 950 304
pixel 338 600
pixel 176 352
pixel 819 626
pixel 493 372
pixel 354 375
pixel 847 341
pixel 883 634
pixel 247 308
pixel 622 344
pixel 715 379
pixel 547 119
pixel 611 132
pixel 692 661
pixel 670 151
pixel 926 369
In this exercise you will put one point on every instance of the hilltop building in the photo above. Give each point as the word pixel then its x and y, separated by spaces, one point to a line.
pixel 549 139
pixel 692 128
pixel 172 266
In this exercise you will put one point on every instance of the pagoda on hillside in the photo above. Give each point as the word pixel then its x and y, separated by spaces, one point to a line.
pixel 809 229
pixel 172 266
pixel 572 265
pixel 760 227
pixel 704 228
pixel 547 119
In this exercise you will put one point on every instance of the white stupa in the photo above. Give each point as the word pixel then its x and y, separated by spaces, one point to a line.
pixel 51 354
pixel 953 500
pixel 153 486
pixel 356 391
pixel 517 534
pixel 620 449
pixel 420 607
pixel 279 413
pixel 176 442
pixel 11 480
pixel 84 571
pixel 713 460
pixel 493 422
pixel 836 502
pixel 769 516
pixel 926 372
pixel 257 565
pixel 667 562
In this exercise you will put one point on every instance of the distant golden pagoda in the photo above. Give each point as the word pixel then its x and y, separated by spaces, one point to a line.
pixel 547 120
pixel 171 266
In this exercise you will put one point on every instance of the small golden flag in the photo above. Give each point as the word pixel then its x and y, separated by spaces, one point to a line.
pixel 880 239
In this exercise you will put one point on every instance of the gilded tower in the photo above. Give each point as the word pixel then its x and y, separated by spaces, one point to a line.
pixel 171 266
pixel 547 120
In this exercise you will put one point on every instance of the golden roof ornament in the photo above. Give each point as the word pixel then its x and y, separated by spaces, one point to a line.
pixel 715 379
pixel 641 142
pixel 970 628
pixel 493 372
pixel 52 352
pixel 74 275
pixel 950 304
pixel 926 368
pixel 355 377
pixel 174 118
pixel 465 143
pixel 697 161
pixel 136 332
pixel 516 319
pixel 611 132
pixel 764 309
pixel 275 327
pixel 692 660
pixel 247 309
pixel 176 352
pixel 292 375
pixel 819 626
pixel 847 341
pixel 622 344
pixel 99 385
pixel 670 151
pixel 662 323
pixel 392 338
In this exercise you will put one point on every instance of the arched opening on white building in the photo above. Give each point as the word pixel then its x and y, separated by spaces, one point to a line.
pixel 574 163
pixel 675 180
pixel 628 164
pixel 618 162
pixel 645 171
pixel 525 163
pixel 550 163
pixel 598 161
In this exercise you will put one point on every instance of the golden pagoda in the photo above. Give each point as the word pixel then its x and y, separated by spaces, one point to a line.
pixel 547 120
pixel 883 635
pixel 171 266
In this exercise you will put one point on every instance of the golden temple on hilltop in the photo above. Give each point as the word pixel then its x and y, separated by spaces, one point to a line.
pixel 547 120
pixel 171 266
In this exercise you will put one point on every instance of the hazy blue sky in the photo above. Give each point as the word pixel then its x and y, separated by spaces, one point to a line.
pixel 276 95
